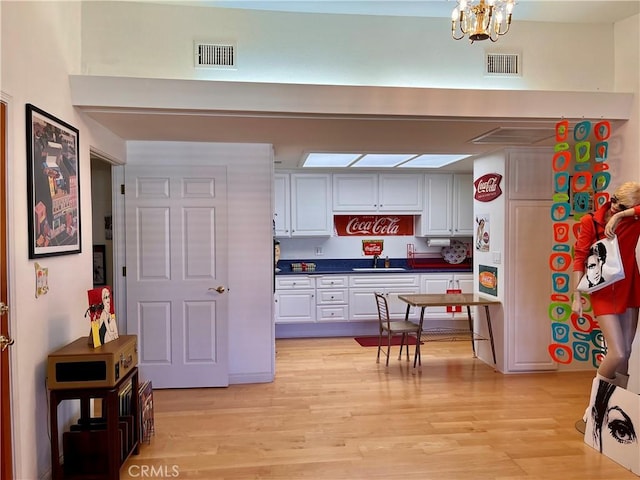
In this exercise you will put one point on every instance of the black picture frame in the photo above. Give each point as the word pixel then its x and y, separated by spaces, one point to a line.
pixel 99 266
pixel 53 185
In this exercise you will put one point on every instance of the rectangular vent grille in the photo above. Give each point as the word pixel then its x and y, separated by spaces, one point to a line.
pixel 215 55
pixel 503 64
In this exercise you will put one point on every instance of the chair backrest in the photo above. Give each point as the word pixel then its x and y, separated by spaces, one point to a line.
pixel 383 308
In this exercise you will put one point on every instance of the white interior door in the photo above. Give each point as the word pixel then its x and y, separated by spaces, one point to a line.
pixel 176 250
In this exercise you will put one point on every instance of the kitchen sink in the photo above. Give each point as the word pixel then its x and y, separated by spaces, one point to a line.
pixel 379 269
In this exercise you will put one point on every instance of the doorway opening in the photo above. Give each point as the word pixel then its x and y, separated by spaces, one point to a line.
pixel 102 223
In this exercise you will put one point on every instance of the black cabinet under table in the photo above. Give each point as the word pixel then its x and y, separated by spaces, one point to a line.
pixel 96 447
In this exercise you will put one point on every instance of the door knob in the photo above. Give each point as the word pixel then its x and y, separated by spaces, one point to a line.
pixel 5 342
pixel 219 289
pixel 4 308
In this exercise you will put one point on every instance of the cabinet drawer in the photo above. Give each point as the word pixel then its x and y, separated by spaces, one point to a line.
pixel 328 297
pixel 383 280
pixel 332 281
pixel 294 282
pixel 328 313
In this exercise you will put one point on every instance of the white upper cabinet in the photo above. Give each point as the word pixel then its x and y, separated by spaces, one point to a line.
pixel 392 193
pixel 448 209
pixel 311 205
pixel 463 205
pixel 355 192
pixel 437 218
pixel 281 205
pixel 400 193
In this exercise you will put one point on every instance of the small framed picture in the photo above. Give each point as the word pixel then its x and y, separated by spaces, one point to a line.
pixel 99 267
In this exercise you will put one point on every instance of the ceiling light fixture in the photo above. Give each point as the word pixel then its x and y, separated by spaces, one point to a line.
pixel 481 19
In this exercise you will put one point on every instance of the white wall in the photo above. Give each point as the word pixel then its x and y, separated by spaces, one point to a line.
pixel 351 247
pixel 337 49
pixel 496 210
pixel 36 72
pixel 626 154
pixel 627 79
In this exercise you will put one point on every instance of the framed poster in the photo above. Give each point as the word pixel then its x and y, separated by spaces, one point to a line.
pixel 488 280
pixel 53 185
pixel 99 265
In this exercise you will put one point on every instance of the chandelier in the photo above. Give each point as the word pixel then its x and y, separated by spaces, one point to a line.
pixel 481 19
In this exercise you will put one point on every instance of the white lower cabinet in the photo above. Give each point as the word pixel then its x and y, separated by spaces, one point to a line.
pixel 332 298
pixel 362 302
pixel 343 298
pixel 295 299
pixel 440 283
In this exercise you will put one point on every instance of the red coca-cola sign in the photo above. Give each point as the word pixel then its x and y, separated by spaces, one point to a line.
pixel 488 187
pixel 372 247
pixel 380 225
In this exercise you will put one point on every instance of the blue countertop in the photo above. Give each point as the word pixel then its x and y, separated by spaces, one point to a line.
pixel 346 266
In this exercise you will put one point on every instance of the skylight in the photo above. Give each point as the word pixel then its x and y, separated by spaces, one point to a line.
pixel 380 160
pixel 331 159
pixel 433 161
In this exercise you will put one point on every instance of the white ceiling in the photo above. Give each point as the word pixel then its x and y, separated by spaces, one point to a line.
pixel 294 135
pixel 572 11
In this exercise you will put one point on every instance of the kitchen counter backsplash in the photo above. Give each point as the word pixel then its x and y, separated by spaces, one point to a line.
pixel 346 265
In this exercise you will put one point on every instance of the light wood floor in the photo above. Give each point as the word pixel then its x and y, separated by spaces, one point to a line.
pixel 333 413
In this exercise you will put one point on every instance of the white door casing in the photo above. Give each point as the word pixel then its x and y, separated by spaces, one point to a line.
pixel 176 250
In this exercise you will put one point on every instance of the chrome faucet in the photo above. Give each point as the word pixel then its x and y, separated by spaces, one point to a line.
pixel 375 261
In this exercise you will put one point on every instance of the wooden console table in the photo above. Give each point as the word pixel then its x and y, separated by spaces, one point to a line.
pixel 424 300
pixel 114 454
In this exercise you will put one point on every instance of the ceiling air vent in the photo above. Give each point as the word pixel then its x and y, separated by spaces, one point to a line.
pixel 515 136
pixel 215 55
pixel 503 64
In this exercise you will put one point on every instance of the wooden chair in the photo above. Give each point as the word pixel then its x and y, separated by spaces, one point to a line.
pixel 390 328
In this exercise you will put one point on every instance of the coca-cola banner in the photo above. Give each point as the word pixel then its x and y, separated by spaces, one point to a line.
pixel 381 225
pixel 488 187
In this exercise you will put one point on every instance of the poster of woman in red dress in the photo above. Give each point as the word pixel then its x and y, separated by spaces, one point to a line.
pixel 103 319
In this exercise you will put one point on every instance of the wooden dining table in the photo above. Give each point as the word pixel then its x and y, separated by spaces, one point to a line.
pixel 468 300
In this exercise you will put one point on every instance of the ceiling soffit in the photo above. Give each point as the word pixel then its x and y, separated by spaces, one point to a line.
pixel 297 119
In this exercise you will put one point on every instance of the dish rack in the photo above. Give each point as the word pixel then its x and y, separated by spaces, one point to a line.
pixel 303 267
pixel 418 259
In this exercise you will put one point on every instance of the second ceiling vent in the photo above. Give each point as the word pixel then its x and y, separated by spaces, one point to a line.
pixel 503 64
pixel 215 55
